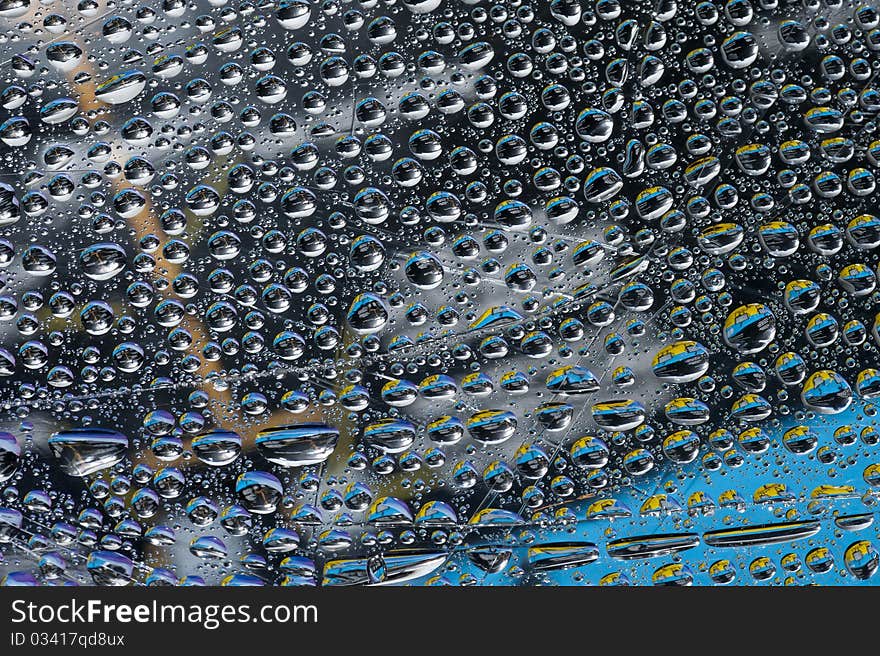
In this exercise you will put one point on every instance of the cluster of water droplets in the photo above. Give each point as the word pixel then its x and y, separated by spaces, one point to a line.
pixel 439 291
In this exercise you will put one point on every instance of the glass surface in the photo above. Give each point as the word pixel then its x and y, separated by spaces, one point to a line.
pixel 438 292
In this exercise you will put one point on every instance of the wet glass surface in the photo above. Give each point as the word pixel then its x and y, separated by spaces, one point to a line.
pixel 439 292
